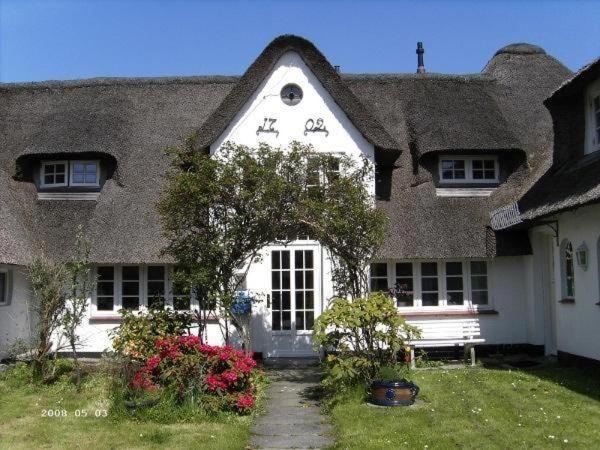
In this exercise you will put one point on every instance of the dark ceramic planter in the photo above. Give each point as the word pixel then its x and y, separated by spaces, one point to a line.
pixel 393 393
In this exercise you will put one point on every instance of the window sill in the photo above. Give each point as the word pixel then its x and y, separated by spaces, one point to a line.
pixel 471 312
pixel 464 192
pixel 567 301
pixel 111 318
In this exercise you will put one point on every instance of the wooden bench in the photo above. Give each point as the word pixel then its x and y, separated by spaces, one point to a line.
pixel 459 332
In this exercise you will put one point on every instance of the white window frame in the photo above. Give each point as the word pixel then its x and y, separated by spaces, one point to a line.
pixel 442 288
pixel 52 163
pixel 84 161
pixel 468 169
pixel 592 142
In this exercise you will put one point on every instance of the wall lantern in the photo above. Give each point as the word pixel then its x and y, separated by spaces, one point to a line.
pixel 582 256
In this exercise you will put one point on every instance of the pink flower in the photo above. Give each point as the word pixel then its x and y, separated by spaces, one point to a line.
pixel 153 363
pixel 245 402
pixel 230 377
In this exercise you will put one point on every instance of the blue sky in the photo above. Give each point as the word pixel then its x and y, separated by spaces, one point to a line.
pixel 69 39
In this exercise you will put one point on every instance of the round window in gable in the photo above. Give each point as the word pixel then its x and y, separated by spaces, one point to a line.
pixel 291 94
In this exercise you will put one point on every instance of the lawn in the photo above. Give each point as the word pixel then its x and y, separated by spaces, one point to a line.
pixel 25 423
pixel 551 407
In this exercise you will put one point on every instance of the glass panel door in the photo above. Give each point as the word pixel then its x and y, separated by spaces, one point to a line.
pixel 281 290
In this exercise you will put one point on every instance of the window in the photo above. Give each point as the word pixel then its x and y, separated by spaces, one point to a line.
pixel 73 173
pixel 468 169
pixel 84 173
pixel 593 118
pixel 155 286
pixel 291 94
pixel 304 289
pixel 3 289
pixel 54 174
pixel 130 287
pixel 281 290
pixel 429 284
pixel 568 272
pixel 479 286
pixel 182 296
pixel 454 283
pixel 105 289
pixel 379 282
pixel 404 284
pixel 321 170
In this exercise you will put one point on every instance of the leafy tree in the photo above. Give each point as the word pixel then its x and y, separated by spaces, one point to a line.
pixel 220 211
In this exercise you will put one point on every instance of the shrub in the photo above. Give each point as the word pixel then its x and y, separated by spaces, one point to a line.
pixel 361 336
pixel 136 336
pixel 219 378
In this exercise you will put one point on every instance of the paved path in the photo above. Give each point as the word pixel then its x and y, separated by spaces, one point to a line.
pixel 292 418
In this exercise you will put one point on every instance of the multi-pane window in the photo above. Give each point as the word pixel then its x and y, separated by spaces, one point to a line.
pixel 593 122
pixel 130 287
pixel 568 271
pixel 454 283
pixel 281 290
pixel 3 288
pixel 596 113
pixel 479 285
pixel 322 170
pixel 304 279
pixel 54 173
pixel 182 296
pixel 105 288
pixel 379 282
pixel 155 287
pixel 69 173
pixel 404 284
pixel 468 169
pixel 429 284
pixel 84 173
pixel 453 169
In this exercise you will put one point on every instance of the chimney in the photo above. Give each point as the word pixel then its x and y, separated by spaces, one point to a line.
pixel 420 51
pixel 338 69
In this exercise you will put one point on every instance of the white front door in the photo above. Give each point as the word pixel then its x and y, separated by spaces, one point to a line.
pixel 293 299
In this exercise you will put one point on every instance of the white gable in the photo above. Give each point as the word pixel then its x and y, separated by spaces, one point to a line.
pixel 265 110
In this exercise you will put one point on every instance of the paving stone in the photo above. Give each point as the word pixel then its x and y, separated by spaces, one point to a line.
pixel 291 419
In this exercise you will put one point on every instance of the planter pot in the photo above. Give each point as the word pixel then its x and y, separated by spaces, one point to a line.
pixel 393 393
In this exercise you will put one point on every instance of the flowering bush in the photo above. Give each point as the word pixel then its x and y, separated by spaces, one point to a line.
pixel 193 370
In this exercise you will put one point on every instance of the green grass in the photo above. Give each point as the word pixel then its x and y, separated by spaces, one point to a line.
pixel 24 426
pixel 551 407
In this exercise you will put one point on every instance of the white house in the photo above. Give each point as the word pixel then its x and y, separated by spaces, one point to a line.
pixel 447 150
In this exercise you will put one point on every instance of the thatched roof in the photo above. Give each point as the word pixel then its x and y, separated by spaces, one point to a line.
pixel 410 115
pixel 572 180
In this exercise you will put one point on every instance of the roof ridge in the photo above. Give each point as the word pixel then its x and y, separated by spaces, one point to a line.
pixel 118 81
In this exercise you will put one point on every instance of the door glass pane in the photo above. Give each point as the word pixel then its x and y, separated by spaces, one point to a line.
pixel 280 290
pixel 304 288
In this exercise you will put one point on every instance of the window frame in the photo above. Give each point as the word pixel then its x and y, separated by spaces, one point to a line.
pixel 442 305
pixel 469 169
pixel 564 277
pixel 6 292
pixel 592 128
pixel 84 161
pixel 43 183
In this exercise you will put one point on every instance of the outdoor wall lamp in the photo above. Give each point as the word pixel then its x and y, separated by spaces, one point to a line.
pixel 582 256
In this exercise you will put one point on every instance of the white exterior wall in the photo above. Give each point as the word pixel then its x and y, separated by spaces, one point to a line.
pixel 15 317
pixel 577 324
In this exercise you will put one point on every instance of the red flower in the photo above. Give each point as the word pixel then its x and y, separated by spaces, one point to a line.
pixel 153 363
pixel 230 377
pixel 245 402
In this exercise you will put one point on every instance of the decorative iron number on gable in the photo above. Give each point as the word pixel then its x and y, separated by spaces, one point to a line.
pixel 317 126
pixel 267 127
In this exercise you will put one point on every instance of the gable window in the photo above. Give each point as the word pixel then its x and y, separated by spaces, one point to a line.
pixel 468 169
pixel 568 270
pixel 593 120
pixel 54 174
pixel 84 173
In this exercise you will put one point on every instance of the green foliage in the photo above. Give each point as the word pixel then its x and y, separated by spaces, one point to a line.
pixel 361 336
pixel 136 335
pixel 393 372
pixel 219 212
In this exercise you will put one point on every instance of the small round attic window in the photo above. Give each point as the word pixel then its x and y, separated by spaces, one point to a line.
pixel 291 94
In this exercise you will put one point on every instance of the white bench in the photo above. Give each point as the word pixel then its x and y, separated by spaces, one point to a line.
pixel 459 332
